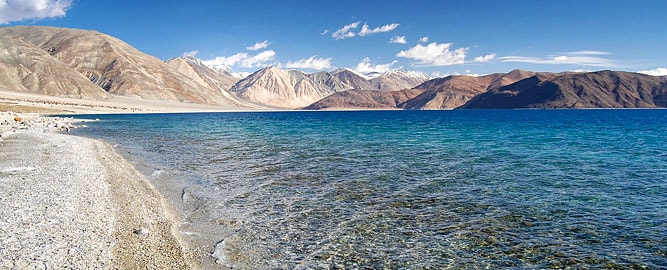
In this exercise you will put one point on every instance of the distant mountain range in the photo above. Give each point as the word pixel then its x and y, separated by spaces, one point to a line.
pixel 441 93
pixel 602 89
pixel 516 89
pixel 90 65
pixel 295 89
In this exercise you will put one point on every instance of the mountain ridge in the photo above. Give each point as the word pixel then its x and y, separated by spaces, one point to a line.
pixel 85 64
pixel 109 64
pixel 520 89
pixel 440 93
pixel 600 89
pixel 295 89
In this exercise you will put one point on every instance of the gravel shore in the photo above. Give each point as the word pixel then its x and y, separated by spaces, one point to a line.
pixel 72 202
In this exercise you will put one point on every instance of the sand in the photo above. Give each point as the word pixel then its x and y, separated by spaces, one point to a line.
pixel 30 102
pixel 72 202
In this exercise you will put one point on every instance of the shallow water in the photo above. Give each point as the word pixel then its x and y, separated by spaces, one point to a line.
pixel 413 189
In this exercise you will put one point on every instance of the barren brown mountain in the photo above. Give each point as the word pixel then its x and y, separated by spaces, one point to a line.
pixel 295 89
pixel 365 99
pixel 27 68
pixel 393 80
pixel 90 65
pixel 286 88
pixel 353 79
pixel 603 89
pixel 216 79
pixel 194 68
pixel 441 93
pixel 109 63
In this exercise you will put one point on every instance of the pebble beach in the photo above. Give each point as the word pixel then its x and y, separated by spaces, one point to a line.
pixel 73 202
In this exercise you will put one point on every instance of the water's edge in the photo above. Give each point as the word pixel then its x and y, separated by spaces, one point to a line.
pixel 460 189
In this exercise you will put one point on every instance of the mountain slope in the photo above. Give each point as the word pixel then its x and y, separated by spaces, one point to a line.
pixel 603 89
pixel 365 99
pixel 113 65
pixel 295 89
pixel 26 67
pixel 194 68
pixel 453 91
pixel 396 80
pixel 442 93
pixel 288 89
pixel 353 79
pixel 219 79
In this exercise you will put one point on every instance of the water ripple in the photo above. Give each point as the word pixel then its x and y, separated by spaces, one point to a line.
pixel 420 190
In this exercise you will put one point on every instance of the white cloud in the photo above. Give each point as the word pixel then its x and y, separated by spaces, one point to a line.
pixel 438 74
pixel 192 53
pixel 243 60
pixel 260 59
pixel 324 32
pixel 588 53
pixel 423 40
pixel 365 66
pixel 366 30
pixel 18 10
pixel 485 58
pixel 259 45
pixel 228 61
pixel 435 54
pixel 469 73
pixel 655 72
pixel 398 39
pixel 346 31
pixel 311 63
pixel 581 58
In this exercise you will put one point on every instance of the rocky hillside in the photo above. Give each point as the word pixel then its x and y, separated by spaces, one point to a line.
pixel 603 89
pixel 295 89
pixel 353 79
pixel 28 68
pixel 195 69
pixel 518 89
pixel 441 93
pixel 366 99
pixel 59 61
pixel 396 80
pixel 288 89
pixel 218 79
pixel 453 91
pixel 90 65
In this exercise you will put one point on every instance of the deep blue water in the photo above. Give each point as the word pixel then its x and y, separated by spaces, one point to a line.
pixel 412 189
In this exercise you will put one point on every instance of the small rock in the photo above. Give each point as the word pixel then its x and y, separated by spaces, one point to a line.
pixel 141 231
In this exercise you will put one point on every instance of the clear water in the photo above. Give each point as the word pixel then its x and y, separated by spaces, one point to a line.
pixel 413 189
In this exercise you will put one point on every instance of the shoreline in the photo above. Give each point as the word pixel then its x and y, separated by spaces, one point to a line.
pixel 22 102
pixel 73 202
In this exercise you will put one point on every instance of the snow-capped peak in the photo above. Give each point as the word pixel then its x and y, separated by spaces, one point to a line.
pixel 216 66
pixel 406 73
pixel 351 71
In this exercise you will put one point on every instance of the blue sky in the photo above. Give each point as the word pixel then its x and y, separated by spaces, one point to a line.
pixel 436 38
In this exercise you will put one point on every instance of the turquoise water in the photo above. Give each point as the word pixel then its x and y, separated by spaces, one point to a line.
pixel 412 189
